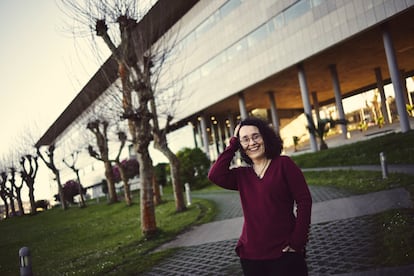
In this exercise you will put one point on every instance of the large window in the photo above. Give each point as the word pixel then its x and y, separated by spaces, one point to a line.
pixel 259 34
pixel 297 10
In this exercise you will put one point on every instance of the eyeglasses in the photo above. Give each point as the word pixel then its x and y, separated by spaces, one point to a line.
pixel 246 140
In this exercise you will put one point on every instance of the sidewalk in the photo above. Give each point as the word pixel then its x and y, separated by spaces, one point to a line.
pixel 326 211
pixel 342 236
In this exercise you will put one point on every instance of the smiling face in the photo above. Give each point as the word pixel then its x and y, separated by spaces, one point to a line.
pixel 252 142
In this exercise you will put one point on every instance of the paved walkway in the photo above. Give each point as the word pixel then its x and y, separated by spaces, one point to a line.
pixel 322 212
pixel 342 238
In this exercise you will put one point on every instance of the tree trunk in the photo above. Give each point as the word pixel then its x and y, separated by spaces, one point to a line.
pixel 127 190
pixel 60 191
pixel 110 180
pixel 323 145
pixel 32 198
pixel 12 207
pixel 161 144
pixel 157 195
pixel 19 201
pixel 6 206
pixel 82 198
pixel 148 222
pixel 175 178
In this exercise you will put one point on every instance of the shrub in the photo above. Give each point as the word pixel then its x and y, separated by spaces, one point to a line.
pixel 194 167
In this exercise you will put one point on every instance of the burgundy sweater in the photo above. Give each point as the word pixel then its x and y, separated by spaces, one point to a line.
pixel 269 220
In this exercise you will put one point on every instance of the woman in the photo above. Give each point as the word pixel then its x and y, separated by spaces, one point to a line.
pixel 273 238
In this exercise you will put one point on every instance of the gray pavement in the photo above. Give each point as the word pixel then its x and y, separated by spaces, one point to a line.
pixel 343 236
pixel 325 211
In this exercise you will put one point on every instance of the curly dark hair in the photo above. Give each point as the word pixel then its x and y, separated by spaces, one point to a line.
pixel 272 141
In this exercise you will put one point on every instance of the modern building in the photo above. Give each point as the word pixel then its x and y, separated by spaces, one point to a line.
pixel 278 59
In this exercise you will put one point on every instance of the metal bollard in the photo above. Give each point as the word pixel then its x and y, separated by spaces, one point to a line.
pixel 187 193
pixel 161 190
pixel 25 262
pixel 384 165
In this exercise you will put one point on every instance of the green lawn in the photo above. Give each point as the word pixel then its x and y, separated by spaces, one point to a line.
pixel 398 147
pixel 100 239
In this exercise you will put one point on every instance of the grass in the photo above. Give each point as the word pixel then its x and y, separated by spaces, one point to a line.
pixel 358 182
pixel 99 239
pixel 395 237
pixel 398 147
pixel 106 239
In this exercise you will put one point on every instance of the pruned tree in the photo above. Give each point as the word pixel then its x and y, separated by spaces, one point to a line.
pixel 15 192
pixel 139 60
pixel 122 137
pixel 19 196
pixel 101 136
pixel 29 167
pixel 71 164
pixel 49 161
pixel 4 192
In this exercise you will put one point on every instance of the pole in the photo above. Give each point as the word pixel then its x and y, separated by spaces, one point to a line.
pixel 384 166
pixel 25 262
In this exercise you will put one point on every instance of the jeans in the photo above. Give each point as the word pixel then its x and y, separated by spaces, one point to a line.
pixel 290 264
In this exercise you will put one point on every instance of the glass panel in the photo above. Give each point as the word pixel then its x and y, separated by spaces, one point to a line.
pixel 228 7
pixel 207 24
pixel 257 35
pixel 316 3
pixel 234 50
pixel 298 9
pixel 279 21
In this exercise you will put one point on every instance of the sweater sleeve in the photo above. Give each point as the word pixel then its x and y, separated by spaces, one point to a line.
pixel 220 172
pixel 301 195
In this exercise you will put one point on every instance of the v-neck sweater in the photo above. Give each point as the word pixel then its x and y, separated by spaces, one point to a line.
pixel 270 223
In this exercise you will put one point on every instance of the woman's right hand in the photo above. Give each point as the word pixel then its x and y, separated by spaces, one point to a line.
pixel 236 130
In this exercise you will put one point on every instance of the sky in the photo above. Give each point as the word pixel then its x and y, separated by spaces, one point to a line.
pixel 42 68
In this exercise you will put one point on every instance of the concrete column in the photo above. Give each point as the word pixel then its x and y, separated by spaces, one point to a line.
pixel 316 105
pixel 306 104
pixel 232 124
pixel 338 98
pixel 380 86
pixel 242 106
pixel 215 136
pixel 273 112
pixel 195 135
pixel 396 79
pixel 204 134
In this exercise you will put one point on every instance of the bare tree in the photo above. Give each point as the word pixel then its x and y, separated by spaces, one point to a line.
pixel 4 192
pixel 29 166
pixel 19 196
pixel 50 163
pixel 122 137
pixel 15 192
pixel 71 165
pixel 12 181
pixel 138 58
pixel 103 155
